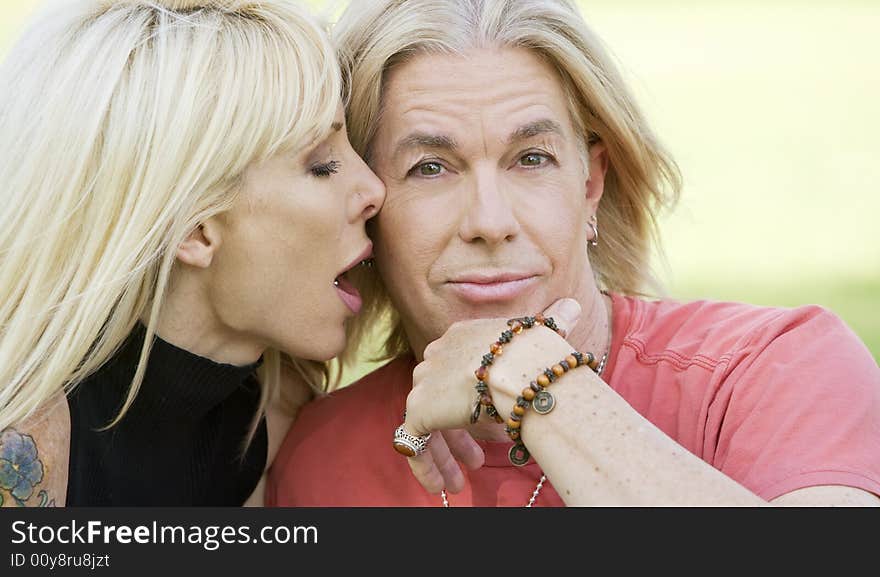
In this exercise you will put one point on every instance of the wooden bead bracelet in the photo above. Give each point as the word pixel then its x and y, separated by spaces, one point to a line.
pixel 539 398
pixel 516 326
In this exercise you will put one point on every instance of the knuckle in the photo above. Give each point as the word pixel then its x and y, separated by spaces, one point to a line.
pixel 419 372
pixel 413 401
pixel 430 349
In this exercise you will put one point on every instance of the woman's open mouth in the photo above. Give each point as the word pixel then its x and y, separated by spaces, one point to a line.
pixel 347 291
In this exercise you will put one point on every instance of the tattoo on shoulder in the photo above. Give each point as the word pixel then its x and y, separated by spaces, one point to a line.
pixel 21 471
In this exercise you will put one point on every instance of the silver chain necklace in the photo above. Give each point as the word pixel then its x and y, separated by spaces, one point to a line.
pixel 540 485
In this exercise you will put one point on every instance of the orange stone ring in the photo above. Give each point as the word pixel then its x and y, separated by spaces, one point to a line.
pixel 410 445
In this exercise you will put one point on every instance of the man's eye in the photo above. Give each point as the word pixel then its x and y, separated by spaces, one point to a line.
pixel 533 159
pixel 428 169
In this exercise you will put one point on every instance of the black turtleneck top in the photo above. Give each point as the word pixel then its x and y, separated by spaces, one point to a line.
pixel 181 441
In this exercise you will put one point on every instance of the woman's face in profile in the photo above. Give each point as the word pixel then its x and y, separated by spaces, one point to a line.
pixel 295 230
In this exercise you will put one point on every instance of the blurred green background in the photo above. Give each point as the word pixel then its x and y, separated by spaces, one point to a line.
pixel 770 108
pixel 771 111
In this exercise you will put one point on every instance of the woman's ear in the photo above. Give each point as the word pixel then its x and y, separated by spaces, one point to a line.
pixel 598 166
pixel 200 246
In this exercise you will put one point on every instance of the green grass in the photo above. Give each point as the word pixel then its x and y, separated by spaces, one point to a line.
pixel 775 135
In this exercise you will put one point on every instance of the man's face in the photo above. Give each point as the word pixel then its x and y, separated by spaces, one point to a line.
pixel 488 197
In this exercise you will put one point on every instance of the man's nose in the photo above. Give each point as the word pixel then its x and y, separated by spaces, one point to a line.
pixel 489 213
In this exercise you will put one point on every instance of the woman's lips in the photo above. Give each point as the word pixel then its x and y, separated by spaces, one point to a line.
pixel 492 290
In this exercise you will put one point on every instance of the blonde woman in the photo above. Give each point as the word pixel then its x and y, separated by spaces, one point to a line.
pixel 508 143
pixel 180 209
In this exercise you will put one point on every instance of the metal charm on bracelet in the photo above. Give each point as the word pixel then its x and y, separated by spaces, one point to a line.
pixel 543 402
pixel 518 454
pixel 410 445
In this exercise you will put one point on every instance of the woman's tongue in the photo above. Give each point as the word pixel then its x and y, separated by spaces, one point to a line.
pixel 349 295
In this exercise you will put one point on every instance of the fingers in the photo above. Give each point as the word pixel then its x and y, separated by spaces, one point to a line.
pixel 450 471
pixel 464 448
pixel 566 312
pixel 436 468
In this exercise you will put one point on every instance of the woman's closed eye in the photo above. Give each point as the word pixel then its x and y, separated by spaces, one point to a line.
pixel 325 169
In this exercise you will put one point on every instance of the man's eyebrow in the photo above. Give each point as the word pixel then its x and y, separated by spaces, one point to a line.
pixel 425 140
pixel 544 126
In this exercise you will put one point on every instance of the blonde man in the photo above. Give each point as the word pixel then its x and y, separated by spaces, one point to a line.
pixel 507 141
pixel 180 206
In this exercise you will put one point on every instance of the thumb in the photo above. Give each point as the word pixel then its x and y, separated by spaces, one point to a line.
pixel 566 312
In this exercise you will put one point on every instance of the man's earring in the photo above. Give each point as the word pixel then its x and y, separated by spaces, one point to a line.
pixel 594 242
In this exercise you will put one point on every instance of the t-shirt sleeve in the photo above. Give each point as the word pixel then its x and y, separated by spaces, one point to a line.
pixel 801 407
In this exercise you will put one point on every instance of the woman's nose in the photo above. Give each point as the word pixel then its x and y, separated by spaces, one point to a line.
pixel 371 192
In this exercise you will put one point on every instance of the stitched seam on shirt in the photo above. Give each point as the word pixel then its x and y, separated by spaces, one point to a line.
pixel 678 361
pixel 804 472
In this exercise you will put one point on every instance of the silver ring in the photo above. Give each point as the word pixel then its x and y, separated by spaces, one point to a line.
pixel 410 445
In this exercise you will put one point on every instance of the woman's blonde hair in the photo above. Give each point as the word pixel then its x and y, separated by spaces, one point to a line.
pixel 123 125
pixel 374 36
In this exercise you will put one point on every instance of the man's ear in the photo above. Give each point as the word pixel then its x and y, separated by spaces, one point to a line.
pixel 598 163
pixel 200 246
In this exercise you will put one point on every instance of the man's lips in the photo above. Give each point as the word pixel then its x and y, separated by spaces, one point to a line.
pixel 488 288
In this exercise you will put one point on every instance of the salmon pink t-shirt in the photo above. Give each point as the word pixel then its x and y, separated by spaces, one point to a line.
pixel 777 399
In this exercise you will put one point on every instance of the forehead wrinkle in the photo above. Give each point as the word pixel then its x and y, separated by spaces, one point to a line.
pixel 421 139
pixel 535 128
pixel 452 108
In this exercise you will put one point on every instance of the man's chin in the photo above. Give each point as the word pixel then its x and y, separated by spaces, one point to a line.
pixel 507 309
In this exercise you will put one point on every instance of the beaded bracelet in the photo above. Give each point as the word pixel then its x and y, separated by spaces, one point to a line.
pixel 516 326
pixel 541 400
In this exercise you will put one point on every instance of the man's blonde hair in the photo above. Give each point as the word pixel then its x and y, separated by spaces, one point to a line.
pixel 374 36
pixel 123 125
